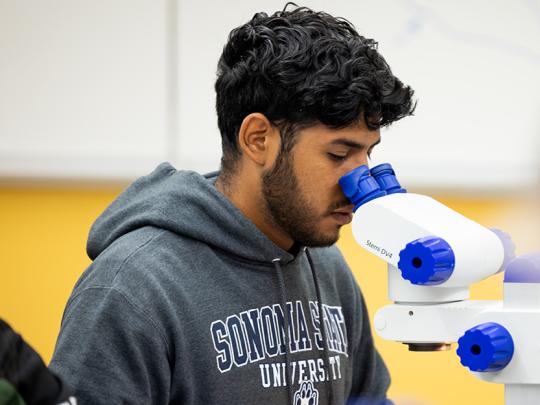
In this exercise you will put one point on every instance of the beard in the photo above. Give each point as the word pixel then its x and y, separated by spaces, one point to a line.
pixel 289 209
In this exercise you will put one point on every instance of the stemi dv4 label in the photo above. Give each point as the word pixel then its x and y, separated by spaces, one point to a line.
pixel 378 249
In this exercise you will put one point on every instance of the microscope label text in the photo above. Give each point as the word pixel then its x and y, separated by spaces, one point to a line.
pixel 382 251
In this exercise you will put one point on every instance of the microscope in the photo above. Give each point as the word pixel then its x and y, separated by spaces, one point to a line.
pixel 433 255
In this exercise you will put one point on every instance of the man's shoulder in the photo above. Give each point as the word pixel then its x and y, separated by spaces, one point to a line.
pixel 143 254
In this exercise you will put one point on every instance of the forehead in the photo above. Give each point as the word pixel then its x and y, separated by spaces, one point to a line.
pixel 320 135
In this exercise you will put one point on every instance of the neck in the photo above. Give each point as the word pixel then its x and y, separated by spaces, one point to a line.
pixel 246 195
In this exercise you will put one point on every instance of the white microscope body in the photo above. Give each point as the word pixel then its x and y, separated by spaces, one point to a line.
pixel 433 255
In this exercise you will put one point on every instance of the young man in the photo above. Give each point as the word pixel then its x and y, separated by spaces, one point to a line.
pixel 226 288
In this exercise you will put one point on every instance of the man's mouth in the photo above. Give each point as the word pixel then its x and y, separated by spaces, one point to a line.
pixel 342 217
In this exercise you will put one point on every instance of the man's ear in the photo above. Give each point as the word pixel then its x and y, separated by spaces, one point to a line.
pixel 258 139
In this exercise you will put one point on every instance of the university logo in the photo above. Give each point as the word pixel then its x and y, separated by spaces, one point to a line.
pixel 307 394
pixel 259 334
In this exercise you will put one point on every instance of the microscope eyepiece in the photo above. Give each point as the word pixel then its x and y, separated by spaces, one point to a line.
pixel 386 177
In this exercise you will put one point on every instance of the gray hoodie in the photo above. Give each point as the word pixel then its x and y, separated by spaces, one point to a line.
pixel 187 302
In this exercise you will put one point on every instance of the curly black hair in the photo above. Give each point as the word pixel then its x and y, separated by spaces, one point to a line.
pixel 300 67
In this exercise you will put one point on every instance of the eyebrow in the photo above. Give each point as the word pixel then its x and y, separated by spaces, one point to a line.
pixel 352 144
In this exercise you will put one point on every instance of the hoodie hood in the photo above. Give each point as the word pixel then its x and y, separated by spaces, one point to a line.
pixel 188 204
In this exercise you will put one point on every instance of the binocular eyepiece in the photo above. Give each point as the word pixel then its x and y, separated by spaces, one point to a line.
pixel 361 185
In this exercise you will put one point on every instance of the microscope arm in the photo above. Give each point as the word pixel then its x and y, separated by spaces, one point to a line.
pixel 434 254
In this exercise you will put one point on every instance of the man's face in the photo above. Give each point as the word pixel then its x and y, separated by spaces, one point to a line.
pixel 301 191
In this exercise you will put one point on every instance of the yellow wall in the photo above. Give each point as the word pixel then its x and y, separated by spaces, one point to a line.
pixel 42 253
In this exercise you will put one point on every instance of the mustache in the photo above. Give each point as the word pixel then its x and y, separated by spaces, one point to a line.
pixel 338 205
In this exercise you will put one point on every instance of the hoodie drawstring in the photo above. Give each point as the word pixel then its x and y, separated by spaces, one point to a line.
pixel 324 331
pixel 283 303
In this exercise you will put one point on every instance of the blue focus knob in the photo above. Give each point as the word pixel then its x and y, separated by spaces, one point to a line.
pixel 486 347
pixel 427 261
pixel 523 269
pixel 360 187
pixel 386 177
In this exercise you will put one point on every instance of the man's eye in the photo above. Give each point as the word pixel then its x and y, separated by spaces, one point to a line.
pixel 337 158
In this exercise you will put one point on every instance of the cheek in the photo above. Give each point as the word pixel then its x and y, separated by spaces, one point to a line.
pixel 326 181
pixel 320 191
pixel 318 182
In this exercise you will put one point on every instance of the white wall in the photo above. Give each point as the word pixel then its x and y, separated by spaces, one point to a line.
pixel 83 87
pixel 110 88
